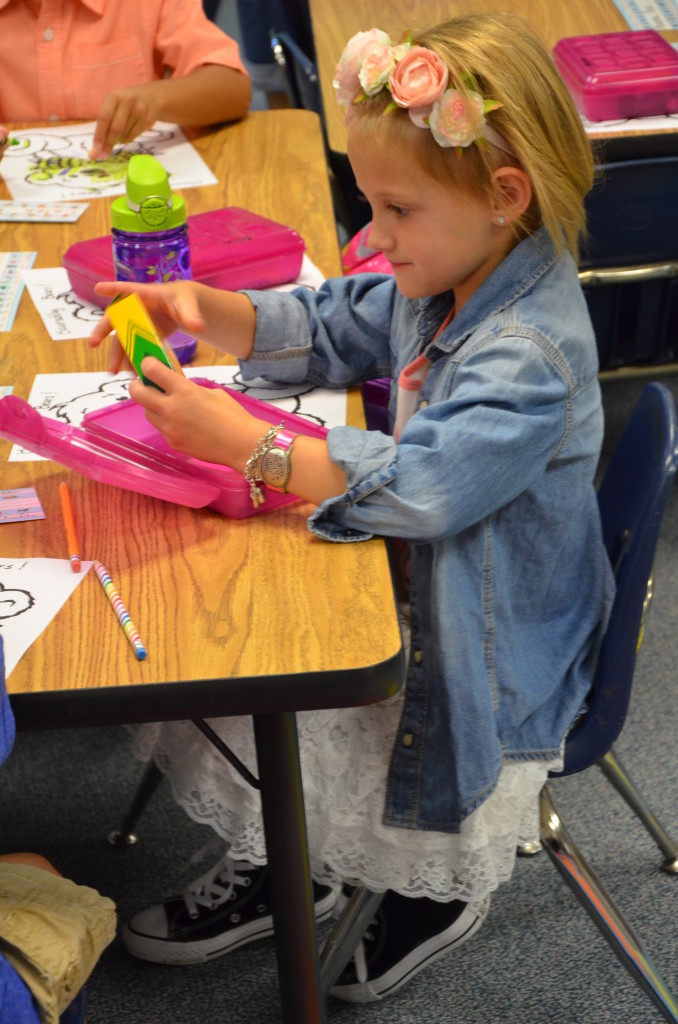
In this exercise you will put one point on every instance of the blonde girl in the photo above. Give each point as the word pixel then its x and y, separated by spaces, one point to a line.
pixel 468 148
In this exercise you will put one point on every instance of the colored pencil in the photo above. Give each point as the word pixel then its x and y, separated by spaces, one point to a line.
pixel 118 607
pixel 69 523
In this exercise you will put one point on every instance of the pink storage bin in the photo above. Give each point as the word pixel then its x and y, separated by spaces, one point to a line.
pixel 231 248
pixel 117 445
pixel 617 75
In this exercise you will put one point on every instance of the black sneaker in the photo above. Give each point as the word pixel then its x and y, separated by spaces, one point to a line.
pixel 405 936
pixel 225 908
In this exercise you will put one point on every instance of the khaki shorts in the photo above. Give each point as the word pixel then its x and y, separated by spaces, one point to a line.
pixel 53 932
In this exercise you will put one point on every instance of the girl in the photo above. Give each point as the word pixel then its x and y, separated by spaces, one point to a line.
pixel 469 150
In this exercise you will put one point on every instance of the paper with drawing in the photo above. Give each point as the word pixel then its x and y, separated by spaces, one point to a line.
pixel 68 396
pixel 32 590
pixel 52 164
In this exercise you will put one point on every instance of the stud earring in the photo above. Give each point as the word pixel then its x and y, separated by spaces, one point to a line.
pixel 501 221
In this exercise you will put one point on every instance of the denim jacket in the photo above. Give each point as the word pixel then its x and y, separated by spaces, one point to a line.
pixel 492 485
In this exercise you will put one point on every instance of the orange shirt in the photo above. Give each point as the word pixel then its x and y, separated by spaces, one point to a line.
pixel 59 58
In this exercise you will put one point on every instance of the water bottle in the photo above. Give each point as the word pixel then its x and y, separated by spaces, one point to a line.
pixel 150 235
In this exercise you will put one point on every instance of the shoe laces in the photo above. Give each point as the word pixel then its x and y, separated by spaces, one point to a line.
pixel 218 885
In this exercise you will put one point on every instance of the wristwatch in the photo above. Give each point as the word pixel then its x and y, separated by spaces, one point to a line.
pixel 275 464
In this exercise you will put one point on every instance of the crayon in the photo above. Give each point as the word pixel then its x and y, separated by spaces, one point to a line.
pixel 69 523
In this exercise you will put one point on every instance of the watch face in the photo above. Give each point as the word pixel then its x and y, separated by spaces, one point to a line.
pixel 275 467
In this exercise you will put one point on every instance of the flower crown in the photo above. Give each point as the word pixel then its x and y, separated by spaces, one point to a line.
pixel 419 81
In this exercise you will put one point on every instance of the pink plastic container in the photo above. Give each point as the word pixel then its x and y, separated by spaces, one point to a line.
pixel 118 446
pixel 231 248
pixel 618 75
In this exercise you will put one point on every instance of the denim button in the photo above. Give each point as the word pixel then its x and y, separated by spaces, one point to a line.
pixel 408 739
pixel 418 657
pixel 422 405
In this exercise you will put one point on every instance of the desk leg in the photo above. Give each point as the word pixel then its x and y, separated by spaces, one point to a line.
pixel 291 892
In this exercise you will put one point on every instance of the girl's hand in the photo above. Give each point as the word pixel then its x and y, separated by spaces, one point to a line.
pixel 206 423
pixel 171 306
pixel 209 424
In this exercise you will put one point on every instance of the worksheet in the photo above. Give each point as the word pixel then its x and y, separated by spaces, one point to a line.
pixel 52 164
pixel 68 396
pixel 32 591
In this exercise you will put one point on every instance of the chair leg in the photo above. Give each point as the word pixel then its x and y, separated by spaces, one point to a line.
pixel 347 933
pixel 614 771
pixel 600 907
pixel 150 780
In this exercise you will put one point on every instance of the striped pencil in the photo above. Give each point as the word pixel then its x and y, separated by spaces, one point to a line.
pixel 118 607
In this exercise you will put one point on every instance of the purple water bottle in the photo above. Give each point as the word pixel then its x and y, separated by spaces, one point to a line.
pixel 150 235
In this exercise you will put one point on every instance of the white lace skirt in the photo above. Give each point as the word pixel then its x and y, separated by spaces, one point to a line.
pixel 344 758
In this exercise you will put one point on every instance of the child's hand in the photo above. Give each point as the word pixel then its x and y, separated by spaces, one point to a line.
pixel 124 114
pixel 171 306
pixel 206 423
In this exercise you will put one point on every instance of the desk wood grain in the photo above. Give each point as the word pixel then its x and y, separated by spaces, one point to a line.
pixel 211 597
pixel 334 24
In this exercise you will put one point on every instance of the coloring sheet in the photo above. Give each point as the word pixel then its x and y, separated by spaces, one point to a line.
pixel 32 590
pixel 52 164
pixel 65 315
pixel 68 396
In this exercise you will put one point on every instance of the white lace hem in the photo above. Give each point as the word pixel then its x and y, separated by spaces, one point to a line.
pixel 347 838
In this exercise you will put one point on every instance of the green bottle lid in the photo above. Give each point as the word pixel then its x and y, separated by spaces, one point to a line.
pixel 148 203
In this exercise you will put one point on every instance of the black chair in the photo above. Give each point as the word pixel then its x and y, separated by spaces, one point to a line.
pixel 632 499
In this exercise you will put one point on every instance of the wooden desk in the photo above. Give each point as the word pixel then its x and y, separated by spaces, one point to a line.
pixel 239 617
pixel 334 24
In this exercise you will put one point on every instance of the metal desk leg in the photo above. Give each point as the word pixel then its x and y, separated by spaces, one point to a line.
pixel 291 891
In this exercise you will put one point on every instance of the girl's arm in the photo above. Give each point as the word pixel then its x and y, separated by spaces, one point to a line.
pixel 226 320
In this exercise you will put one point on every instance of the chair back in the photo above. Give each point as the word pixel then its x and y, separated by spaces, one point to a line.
pixel 629 260
pixel 632 499
pixel 300 71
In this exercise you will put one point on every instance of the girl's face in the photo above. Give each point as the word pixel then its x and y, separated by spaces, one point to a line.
pixel 436 238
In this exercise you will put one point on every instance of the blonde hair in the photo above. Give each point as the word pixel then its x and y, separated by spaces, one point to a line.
pixel 537 119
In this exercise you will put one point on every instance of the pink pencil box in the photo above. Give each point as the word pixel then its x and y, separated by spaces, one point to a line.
pixel 231 248
pixel 117 445
pixel 619 74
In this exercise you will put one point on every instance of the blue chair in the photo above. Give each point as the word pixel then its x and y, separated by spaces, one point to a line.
pixel 297 60
pixel 632 499
pixel 629 261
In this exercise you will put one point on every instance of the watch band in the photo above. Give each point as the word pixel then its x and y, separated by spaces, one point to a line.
pixel 275 464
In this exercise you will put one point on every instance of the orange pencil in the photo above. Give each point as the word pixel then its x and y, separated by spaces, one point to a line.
pixel 69 523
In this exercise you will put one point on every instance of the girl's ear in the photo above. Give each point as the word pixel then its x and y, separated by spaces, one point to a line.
pixel 512 193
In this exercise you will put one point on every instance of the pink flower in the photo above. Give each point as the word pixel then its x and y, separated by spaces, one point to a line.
pixel 451 121
pixel 376 69
pixel 359 47
pixel 419 79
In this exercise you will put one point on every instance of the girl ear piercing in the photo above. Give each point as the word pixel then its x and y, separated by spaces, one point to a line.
pixel 501 221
